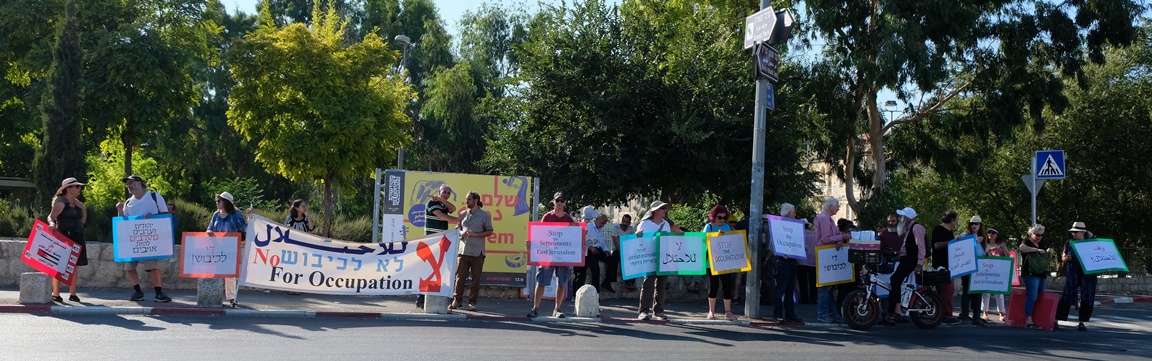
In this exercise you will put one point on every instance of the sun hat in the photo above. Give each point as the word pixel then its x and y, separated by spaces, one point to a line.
pixel 68 182
pixel 589 212
pixel 654 206
pixel 1078 227
pixel 227 196
pixel 975 219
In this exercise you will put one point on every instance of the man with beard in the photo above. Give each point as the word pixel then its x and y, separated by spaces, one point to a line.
pixel 911 252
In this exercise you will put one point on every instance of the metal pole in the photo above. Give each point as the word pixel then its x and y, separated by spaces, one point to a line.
pixel 1034 189
pixel 376 207
pixel 531 270
pixel 756 203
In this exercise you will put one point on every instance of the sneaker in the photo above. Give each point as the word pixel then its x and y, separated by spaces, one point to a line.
pixel 532 313
pixel 137 296
pixel 643 316
pixel 976 322
pixel 420 301
pixel 1032 326
pixel 162 298
pixel 965 319
pixel 951 321
pixel 659 316
pixel 558 314
pixel 471 307
pixel 454 305
pixel 794 319
pixel 607 288
pixel 1081 327
pixel 75 298
pixel 57 299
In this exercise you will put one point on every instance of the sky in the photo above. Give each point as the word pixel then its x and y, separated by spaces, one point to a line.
pixel 450 10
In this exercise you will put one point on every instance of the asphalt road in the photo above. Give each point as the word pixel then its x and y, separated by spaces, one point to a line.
pixel 1118 332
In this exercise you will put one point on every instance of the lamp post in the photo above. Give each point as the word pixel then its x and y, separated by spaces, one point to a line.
pixel 890 104
pixel 405 43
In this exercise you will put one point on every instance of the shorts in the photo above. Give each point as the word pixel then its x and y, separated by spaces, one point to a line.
pixel 544 275
pixel 148 265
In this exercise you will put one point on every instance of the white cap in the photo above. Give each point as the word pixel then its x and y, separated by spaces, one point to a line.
pixel 907 212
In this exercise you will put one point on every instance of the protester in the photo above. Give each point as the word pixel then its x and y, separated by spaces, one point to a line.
pixel 785 275
pixel 970 303
pixel 890 241
pixel 653 287
pixel 437 213
pixel 624 228
pixel 941 236
pixel 142 202
pixel 227 219
pixel 994 248
pixel 1077 285
pixel 68 216
pixel 828 234
pixel 846 227
pixel 563 273
pixel 718 222
pixel 1034 269
pixel 298 217
pixel 175 221
pixel 599 251
pixel 475 226
pixel 912 251
pixel 806 268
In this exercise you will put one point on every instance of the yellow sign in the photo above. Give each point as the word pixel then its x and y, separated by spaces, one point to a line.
pixel 505 198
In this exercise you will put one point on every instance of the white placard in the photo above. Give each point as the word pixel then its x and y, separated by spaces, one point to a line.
pixel 555 244
pixel 210 255
pixel 994 276
pixel 639 256
pixel 832 266
pixel 137 238
pixel 962 256
pixel 728 253
pixel 787 236
pixel 1099 255
pixel 681 254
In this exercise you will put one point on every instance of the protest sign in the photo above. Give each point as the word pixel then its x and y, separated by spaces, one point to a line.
pixel 138 238
pixel 281 258
pixel 555 244
pixel 50 252
pixel 639 256
pixel 210 255
pixel 994 275
pixel 962 256
pixel 787 236
pixel 832 266
pixel 728 252
pixel 1015 269
pixel 506 198
pixel 809 249
pixel 681 254
pixel 1099 255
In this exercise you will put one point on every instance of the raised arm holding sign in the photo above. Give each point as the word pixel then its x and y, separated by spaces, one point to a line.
pixel 962 256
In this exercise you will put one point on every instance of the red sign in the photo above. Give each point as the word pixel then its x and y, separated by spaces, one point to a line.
pixel 50 252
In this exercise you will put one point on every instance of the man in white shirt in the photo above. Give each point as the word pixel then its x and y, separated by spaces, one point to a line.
pixel 599 250
pixel 142 203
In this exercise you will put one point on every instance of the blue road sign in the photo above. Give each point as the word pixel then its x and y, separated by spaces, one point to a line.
pixel 770 103
pixel 1050 164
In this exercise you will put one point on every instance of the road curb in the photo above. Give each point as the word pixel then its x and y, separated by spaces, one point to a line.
pixel 66 310
pixel 26 309
pixel 690 321
pixel 1123 300
pixel 271 313
pixel 567 320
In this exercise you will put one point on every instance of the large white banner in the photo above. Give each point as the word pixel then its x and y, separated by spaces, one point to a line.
pixel 279 257
pixel 787 237
pixel 962 256
pixel 1099 255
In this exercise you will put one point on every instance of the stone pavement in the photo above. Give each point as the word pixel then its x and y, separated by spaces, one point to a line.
pixel 280 304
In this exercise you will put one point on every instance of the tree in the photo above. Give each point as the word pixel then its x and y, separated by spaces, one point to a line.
pixel 30 28
pixel 321 111
pixel 62 153
pixel 931 52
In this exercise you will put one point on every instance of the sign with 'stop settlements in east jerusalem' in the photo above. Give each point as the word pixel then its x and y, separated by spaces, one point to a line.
pixel 962 256
pixel 994 275
pixel 787 236
pixel 138 238
pixel 1099 255
pixel 50 252
pixel 639 256
pixel 210 255
pixel 281 258
pixel 555 244
pixel 728 252
pixel 832 266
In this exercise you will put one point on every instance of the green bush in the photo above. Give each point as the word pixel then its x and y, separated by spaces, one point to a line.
pixel 193 216
pixel 15 220
pixel 358 229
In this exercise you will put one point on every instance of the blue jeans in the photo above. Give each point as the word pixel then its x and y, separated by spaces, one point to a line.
pixel 1032 285
pixel 825 308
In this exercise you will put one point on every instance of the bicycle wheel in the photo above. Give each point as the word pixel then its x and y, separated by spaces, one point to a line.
pixel 930 309
pixel 860 312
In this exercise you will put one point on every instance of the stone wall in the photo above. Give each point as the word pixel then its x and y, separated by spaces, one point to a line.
pixel 1110 286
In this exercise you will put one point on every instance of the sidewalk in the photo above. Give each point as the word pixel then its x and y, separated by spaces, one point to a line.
pixel 280 304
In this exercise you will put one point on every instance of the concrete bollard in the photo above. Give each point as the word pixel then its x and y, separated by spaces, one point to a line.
pixel 209 292
pixel 587 302
pixel 436 304
pixel 35 288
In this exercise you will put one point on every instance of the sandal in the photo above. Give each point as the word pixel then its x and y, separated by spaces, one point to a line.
pixel 711 316
pixel 730 316
pixel 1032 326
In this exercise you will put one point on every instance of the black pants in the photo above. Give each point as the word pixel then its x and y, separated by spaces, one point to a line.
pixel 721 284
pixel 806 284
pixel 907 265
pixel 785 287
pixel 592 265
pixel 969 302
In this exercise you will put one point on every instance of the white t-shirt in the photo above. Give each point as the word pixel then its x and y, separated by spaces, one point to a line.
pixel 596 237
pixel 647 226
pixel 145 205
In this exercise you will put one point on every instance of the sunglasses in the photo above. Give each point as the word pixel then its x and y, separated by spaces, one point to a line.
pixel 1039 235
pixel 722 217
pixel 560 201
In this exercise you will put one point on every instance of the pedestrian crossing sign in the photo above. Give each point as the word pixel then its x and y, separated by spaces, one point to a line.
pixel 1050 164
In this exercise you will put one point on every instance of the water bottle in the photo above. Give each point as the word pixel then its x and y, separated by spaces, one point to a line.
pixel 908 289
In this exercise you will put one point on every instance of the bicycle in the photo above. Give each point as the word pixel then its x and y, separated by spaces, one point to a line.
pixel 861 307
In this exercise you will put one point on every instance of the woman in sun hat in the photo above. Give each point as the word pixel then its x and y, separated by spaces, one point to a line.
pixel 653 287
pixel 67 217
pixel 1077 285
pixel 970 303
pixel 227 219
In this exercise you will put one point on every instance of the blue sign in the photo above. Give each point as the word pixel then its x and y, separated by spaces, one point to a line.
pixel 1050 164
pixel 770 102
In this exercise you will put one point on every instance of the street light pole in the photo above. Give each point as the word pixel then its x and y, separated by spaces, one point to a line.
pixel 406 43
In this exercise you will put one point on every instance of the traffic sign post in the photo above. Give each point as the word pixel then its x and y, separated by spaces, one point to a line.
pixel 767 61
pixel 758 27
pixel 1046 164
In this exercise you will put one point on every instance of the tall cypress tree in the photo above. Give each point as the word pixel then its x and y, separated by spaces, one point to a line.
pixel 61 154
